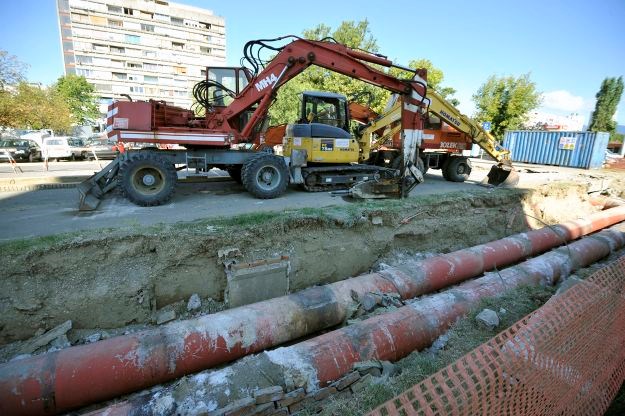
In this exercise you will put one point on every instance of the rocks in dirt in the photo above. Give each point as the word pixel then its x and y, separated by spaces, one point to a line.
pixel 37 342
pixel 503 311
pixel 60 342
pixel 292 397
pixel 369 302
pixel 389 369
pixel 227 253
pixel 165 315
pixel 347 380
pixel 93 338
pixel 377 221
pixel 371 367
pixel 194 303
pixel 488 318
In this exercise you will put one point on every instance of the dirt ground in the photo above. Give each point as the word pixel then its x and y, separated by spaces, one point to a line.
pixel 111 282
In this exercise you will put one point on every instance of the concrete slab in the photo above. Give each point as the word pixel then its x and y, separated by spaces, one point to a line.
pixel 254 282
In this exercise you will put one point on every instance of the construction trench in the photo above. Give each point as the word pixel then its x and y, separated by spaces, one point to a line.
pixel 231 318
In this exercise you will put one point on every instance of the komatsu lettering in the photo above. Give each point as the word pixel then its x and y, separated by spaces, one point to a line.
pixel 266 82
pixel 451 118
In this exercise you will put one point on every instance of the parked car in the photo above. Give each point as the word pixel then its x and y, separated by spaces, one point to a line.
pixel 56 148
pixel 19 150
pixel 78 147
pixel 103 149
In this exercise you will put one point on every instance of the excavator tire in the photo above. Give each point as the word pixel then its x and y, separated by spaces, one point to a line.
pixel 265 176
pixel 456 169
pixel 147 179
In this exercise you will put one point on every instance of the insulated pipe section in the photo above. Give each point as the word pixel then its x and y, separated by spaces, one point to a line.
pixel 64 380
pixel 316 362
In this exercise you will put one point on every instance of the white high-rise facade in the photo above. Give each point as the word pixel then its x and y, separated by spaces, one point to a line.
pixel 147 49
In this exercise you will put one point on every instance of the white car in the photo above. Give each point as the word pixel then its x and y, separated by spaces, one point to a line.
pixel 56 148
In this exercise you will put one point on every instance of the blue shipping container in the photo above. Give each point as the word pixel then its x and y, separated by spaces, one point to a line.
pixel 577 149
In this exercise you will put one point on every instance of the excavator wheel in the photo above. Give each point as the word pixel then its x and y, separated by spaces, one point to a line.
pixel 456 169
pixel 147 179
pixel 265 176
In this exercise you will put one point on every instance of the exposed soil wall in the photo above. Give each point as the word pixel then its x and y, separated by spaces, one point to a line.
pixel 112 279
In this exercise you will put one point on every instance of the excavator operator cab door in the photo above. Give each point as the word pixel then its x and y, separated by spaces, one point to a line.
pixel 325 108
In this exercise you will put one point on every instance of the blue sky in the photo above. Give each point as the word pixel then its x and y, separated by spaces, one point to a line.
pixel 568 46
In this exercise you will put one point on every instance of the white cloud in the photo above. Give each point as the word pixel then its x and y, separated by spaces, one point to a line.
pixel 563 100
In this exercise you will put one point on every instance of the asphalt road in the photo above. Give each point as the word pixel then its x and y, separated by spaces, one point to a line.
pixel 53 211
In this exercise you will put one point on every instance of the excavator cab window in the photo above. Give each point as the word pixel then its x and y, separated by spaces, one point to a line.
pixel 325 108
pixel 233 79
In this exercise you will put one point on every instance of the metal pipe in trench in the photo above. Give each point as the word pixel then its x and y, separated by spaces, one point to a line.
pixel 85 374
pixel 391 336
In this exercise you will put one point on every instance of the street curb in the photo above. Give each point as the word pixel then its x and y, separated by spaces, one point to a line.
pixel 37 184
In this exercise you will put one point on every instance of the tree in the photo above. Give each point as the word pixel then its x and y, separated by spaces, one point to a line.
pixel 356 35
pixel 11 70
pixel 80 98
pixel 505 102
pixel 608 98
pixel 32 107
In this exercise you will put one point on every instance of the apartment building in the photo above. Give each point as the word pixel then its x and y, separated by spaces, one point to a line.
pixel 147 49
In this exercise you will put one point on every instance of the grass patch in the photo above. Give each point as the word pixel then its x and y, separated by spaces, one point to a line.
pixel 464 336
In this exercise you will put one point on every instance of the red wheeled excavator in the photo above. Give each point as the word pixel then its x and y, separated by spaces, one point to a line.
pixel 235 102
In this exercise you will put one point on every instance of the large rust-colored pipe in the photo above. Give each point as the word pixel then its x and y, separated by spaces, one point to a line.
pixel 391 336
pixel 64 380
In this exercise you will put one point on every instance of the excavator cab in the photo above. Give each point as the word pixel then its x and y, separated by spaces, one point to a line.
pixel 324 108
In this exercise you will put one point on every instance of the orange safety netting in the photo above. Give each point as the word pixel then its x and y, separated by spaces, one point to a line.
pixel 566 358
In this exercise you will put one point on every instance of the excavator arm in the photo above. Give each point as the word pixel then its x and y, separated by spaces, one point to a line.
pixel 296 56
pixel 452 116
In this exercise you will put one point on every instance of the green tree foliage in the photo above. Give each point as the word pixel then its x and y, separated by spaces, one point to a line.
pixel 31 107
pixel 80 98
pixel 505 102
pixel 11 69
pixel 608 98
pixel 356 35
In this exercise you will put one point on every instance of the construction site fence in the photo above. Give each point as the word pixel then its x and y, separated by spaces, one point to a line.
pixel 566 358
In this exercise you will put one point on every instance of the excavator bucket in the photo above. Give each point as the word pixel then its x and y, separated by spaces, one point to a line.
pixel 502 174
pixel 92 189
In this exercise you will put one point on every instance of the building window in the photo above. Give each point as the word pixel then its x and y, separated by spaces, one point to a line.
pixel 119 76
pixel 136 89
pixel 117 49
pixel 161 17
pixel 84 72
pixel 180 93
pixel 203 72
pixel 150 67
pixel 103 87
pixel 205 50
pixel 177 45
pixel 128 11
pixel 206 25
pixel 133 65
pixel 149 54
pixel 114 9
pixel 115 23
pixel 150 79
pixel 177 21
pixel 134 77
pixel 147 28
pixel 180 70
pixel 146 15
pixel 134 39
pixel 84 60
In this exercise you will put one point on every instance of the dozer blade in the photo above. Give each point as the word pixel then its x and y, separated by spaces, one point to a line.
pixel 503 175
pixel 92 189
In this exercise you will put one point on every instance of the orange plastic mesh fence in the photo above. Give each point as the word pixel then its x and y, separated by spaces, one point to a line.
pixel 566 358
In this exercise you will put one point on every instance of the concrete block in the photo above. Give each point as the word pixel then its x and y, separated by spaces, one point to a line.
pixel 348 380
pixel 253 282
pixel 269 394
pixel 324 393
pixel 292 397
pixel 488 318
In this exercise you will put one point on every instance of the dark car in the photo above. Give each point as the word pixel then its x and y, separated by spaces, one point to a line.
pixel 19 150
pixel 103 149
